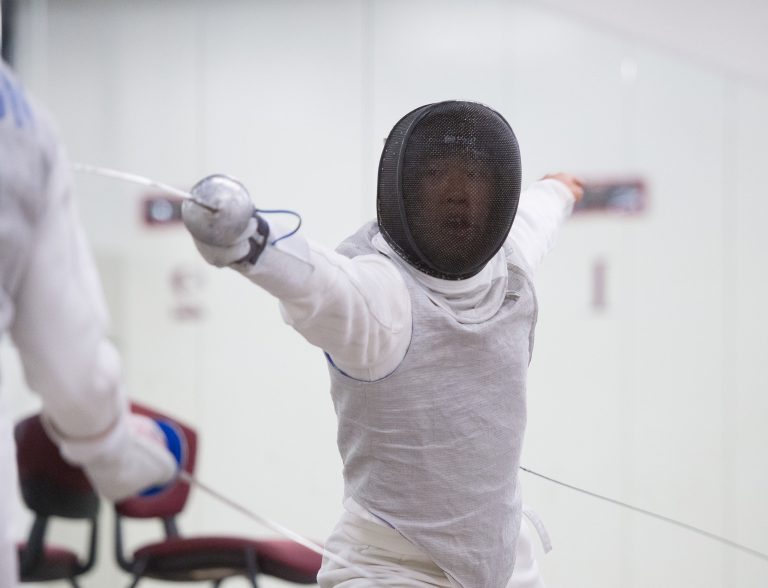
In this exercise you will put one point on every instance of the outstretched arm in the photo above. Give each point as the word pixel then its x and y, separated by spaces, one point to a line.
pixel 357 310
pixel 543 208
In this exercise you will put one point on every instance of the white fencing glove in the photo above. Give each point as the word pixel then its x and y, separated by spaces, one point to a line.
pixel 223 222
pixel 131 457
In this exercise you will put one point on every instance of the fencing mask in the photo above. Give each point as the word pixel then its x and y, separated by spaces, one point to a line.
pixel 449 184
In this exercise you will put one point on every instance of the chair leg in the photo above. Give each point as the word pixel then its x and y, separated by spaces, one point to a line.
pixel 73 581
pixel 252 567
pixel 138 572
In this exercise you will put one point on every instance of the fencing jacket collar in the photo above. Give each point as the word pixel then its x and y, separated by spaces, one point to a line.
pixel 473 300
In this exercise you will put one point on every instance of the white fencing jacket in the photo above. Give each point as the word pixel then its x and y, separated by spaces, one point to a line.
pixel 359 311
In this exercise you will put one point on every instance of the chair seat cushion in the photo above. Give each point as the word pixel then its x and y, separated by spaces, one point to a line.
pixel 211 558
pixel 288 560
pixel 57 563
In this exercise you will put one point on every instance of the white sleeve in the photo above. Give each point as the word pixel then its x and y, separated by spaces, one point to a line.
pixel 542 209
pixel 61 321
pixel 59 325
pixel 358 310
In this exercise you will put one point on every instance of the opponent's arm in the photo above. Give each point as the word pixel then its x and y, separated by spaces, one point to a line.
pixel 59 327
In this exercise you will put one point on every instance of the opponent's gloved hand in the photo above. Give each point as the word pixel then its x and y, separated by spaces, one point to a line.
pixel 234 233
pixel 131 457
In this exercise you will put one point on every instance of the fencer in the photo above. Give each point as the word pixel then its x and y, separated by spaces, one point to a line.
pixel 52 306
pixel 427 319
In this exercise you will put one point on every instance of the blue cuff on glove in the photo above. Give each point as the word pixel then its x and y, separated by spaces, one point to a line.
pixel 174 441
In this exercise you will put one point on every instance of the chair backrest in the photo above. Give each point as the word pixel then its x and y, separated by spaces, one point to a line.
pixel 49 485
pixel 171 500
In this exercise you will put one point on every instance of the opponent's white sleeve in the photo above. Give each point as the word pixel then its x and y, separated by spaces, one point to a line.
pixel 60 328
pixel 358 310
pixel 61 319
pixel 542 209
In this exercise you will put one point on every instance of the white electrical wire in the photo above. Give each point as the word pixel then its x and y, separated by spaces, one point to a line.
pixel 274 526
pixel 648 513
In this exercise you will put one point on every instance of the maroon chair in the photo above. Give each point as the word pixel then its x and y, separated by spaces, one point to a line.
pixel 207 558
pixel 51 487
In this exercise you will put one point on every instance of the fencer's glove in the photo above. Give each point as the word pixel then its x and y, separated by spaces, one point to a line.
pixel 223 222
pixel 131 457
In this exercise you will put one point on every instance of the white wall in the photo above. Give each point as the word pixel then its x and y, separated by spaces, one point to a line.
pixel 656 399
